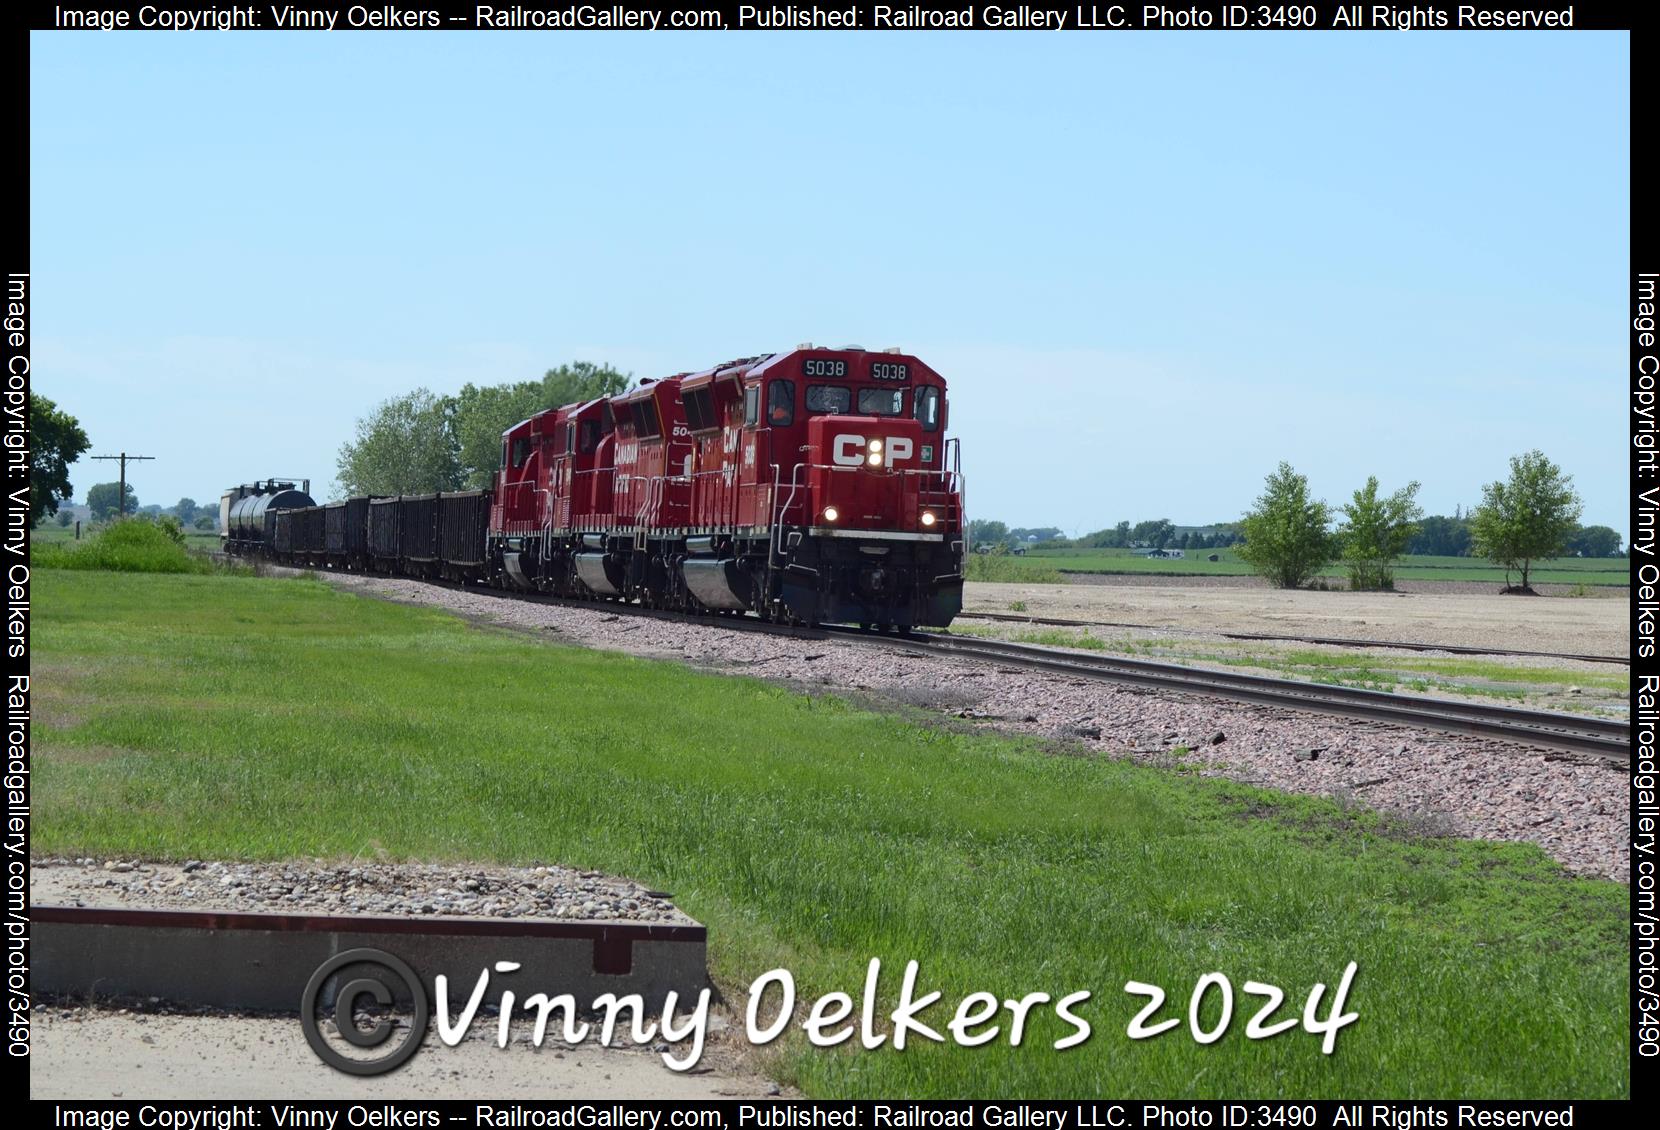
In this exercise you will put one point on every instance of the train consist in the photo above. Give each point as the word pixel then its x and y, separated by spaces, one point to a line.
pixel 811 486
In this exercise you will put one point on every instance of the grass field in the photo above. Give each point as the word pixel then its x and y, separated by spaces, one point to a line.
pixel 228 716
pixel 1040 566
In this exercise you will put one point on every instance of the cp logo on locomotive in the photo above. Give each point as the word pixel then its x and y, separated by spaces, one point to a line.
pixel 848 450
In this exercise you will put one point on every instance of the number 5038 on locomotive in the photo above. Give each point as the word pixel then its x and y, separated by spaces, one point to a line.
pixel 810 486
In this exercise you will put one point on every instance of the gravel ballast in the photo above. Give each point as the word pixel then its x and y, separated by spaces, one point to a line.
pixel 385 889
pixel 1443 784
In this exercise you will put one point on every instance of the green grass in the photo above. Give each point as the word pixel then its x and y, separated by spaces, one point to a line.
pixel 132 546
pixel 1037 566
pixel 52 533
pixel 216 716
pixel 1004 567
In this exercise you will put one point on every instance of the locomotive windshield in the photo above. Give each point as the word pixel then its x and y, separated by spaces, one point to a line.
pixel 881 401
pixel 829 400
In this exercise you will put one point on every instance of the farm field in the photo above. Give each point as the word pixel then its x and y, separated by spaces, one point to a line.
pixel 814 835
pixel 1040 564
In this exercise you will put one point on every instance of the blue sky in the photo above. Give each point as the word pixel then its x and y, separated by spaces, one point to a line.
pixel 1150 266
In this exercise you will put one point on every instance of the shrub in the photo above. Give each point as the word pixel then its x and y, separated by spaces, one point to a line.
pixel 137 545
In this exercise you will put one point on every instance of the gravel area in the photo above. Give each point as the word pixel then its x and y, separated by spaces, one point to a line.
pixel 1444 784
pixel 1593 625
pixel 402 889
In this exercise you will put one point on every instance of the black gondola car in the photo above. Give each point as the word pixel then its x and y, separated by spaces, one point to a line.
pixel 313 542
pixel 285 533
pixel 385 526
pixel 463 521
pixel 334 531
pixel 357 531
pixel 418 519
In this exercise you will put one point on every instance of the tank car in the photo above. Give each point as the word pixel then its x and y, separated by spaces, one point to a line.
pixel 247 513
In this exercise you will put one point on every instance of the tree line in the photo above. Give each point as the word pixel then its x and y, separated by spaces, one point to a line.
pixel 421 442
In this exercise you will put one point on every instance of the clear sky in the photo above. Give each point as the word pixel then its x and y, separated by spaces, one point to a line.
pixel 1151 266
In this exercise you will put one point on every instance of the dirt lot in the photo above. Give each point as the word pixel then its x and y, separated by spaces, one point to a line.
pixel 1596 625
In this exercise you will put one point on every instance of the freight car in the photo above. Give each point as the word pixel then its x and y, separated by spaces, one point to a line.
pixel 248 513
pixel 809 486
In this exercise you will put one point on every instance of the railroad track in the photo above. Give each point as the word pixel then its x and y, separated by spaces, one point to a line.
pixel 1571 733
pixel 1335 641
pixel 1596 737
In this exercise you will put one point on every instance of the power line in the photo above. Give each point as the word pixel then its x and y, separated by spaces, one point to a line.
pixel 121 498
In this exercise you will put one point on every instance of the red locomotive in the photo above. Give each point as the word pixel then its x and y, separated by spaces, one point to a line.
pixel 812 486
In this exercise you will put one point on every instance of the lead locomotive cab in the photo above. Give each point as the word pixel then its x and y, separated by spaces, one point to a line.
pixel 870 527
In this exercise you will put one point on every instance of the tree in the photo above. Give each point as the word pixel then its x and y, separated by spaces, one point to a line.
pixel 483 413
pixel 983 531
pixel 405 446
pixel 1528 517
pixel 1375 531
pixel 104 501
pixel 55 441
pixel 205 521
pixel 65 518
pixel 1155 532
pixel 1440 536
pixel 185 511
pixel 1285 535
pixel 1595 541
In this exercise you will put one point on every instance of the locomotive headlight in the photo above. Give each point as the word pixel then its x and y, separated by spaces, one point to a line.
pixel 875 458
pixel 876 447
pixel 831 514
pixel 928 518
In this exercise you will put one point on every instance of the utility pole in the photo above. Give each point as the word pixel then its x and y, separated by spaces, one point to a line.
pixel 121 498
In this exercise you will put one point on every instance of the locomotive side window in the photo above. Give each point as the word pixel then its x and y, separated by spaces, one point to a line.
pixel 881 401
pixel 928 408
pixel 831 400
pixel 590 436
pixel 752 405
pixel 521 448
pixel 781 403
pixel 570 438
